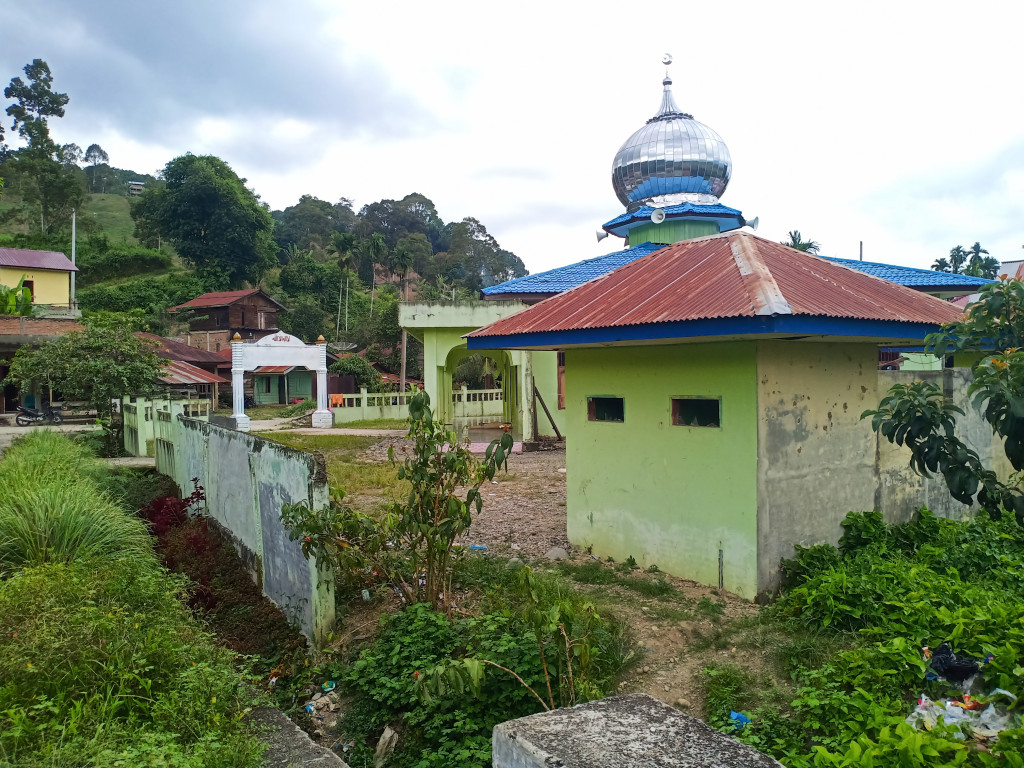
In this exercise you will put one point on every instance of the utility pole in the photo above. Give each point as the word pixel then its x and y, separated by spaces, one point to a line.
pixel 74 232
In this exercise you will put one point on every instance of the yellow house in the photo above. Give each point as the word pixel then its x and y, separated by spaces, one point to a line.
pixel 47 275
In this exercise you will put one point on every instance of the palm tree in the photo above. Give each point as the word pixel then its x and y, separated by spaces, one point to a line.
pixel 797 241
pixel 341 246
pixel 401 263
pixel 377 251
pixel 979 266
pixel 941 265
pixel 957 259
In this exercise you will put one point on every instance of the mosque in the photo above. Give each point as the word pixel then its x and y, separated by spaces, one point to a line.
pixel 710 382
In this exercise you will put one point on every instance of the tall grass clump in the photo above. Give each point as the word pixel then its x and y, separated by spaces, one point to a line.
pixel 52 507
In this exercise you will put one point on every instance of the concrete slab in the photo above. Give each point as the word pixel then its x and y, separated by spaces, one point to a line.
pixel 135 462
pixel 288 746
pixel 619 732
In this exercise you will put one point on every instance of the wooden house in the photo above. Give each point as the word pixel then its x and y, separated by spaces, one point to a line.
pixel 215 317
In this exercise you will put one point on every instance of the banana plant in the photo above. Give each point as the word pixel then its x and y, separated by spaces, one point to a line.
pixel 17 300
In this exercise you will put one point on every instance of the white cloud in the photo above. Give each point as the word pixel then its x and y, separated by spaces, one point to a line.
pixel 891 123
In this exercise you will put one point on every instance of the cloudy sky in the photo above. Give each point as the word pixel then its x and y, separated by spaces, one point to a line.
pixel 897 123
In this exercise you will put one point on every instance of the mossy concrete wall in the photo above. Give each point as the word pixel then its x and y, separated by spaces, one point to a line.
pixel 899 491
pixel 247 480
pixel 816 458
pixel 671 496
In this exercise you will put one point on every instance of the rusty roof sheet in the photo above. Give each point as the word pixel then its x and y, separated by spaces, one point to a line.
pixel 736 274
pixel 25 259
pixel 274 368
pixel 177 372
pixel 222 299
pixel 169 349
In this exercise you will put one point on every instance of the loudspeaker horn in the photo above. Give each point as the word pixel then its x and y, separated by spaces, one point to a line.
pixel 754 222
pixel 601 235
pixel 658 215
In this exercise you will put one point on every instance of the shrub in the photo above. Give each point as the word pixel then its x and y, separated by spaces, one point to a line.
pixel 102 665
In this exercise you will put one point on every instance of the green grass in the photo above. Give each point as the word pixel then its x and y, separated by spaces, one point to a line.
pixel 346 468
pixel 376 424
pixel 112 214
pixel 594 573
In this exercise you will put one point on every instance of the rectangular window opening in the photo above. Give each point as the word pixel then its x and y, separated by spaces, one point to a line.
pixel 605 409
pixel 697 411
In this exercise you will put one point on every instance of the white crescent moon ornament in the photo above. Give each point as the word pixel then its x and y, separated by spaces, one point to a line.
pixel 666 59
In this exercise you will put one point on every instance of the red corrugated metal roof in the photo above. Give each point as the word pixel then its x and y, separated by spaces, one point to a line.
pixel 736 274
pixel 170 349
pixel 222 299
pixel 177 372
pixel 273 369
pixel 25 259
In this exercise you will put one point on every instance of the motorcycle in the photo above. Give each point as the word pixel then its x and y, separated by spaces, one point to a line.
pixel 27 416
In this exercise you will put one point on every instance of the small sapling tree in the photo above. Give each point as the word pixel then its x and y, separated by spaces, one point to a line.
pixel 921 418
pixel 413 545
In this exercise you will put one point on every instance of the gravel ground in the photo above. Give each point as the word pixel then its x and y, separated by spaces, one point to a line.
pixel 524 509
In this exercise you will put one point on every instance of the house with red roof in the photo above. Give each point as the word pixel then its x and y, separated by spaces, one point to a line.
pixel 214 318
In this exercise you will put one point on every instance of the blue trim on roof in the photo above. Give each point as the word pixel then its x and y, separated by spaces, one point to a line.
pixel 728 218
pixel 564 278
pixel 911 276
pixel 726 326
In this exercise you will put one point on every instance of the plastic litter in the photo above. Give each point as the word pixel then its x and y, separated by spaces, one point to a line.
pixel 329 686
pixel 478 546
pixel 739 719
pixel 969 716
pixel 366 595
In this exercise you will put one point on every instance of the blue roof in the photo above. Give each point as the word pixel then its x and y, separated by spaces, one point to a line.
pixel 564 278
pixel 912 277
pixel 727 218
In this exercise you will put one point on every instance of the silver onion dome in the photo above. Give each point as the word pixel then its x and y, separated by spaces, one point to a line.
pixel 673 159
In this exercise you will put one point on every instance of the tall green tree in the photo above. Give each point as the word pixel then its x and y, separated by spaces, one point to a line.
pixel 342 247
pixel 35 101
pixel 797 241
pixel 980 264
pixel 49 187
pixel 375 248
pixel 102 364
pixel 214 222
pixel 95 157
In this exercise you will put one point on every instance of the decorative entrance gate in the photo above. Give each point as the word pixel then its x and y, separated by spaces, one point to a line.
pixel 279 349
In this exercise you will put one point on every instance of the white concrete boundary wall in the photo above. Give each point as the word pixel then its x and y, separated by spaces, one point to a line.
pixel 247 480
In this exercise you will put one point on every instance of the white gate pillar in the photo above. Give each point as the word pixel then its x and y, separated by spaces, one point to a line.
pixel 322 417
pixel 238 385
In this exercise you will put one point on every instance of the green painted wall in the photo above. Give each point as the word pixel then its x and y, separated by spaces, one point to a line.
pixel 667 495
pixel 260 394
pixel 671 231
pixel 300 384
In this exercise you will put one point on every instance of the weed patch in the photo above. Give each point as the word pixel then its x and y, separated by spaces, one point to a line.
pixel 594 573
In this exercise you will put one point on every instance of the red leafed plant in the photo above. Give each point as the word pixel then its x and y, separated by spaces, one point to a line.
pixel 168 512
